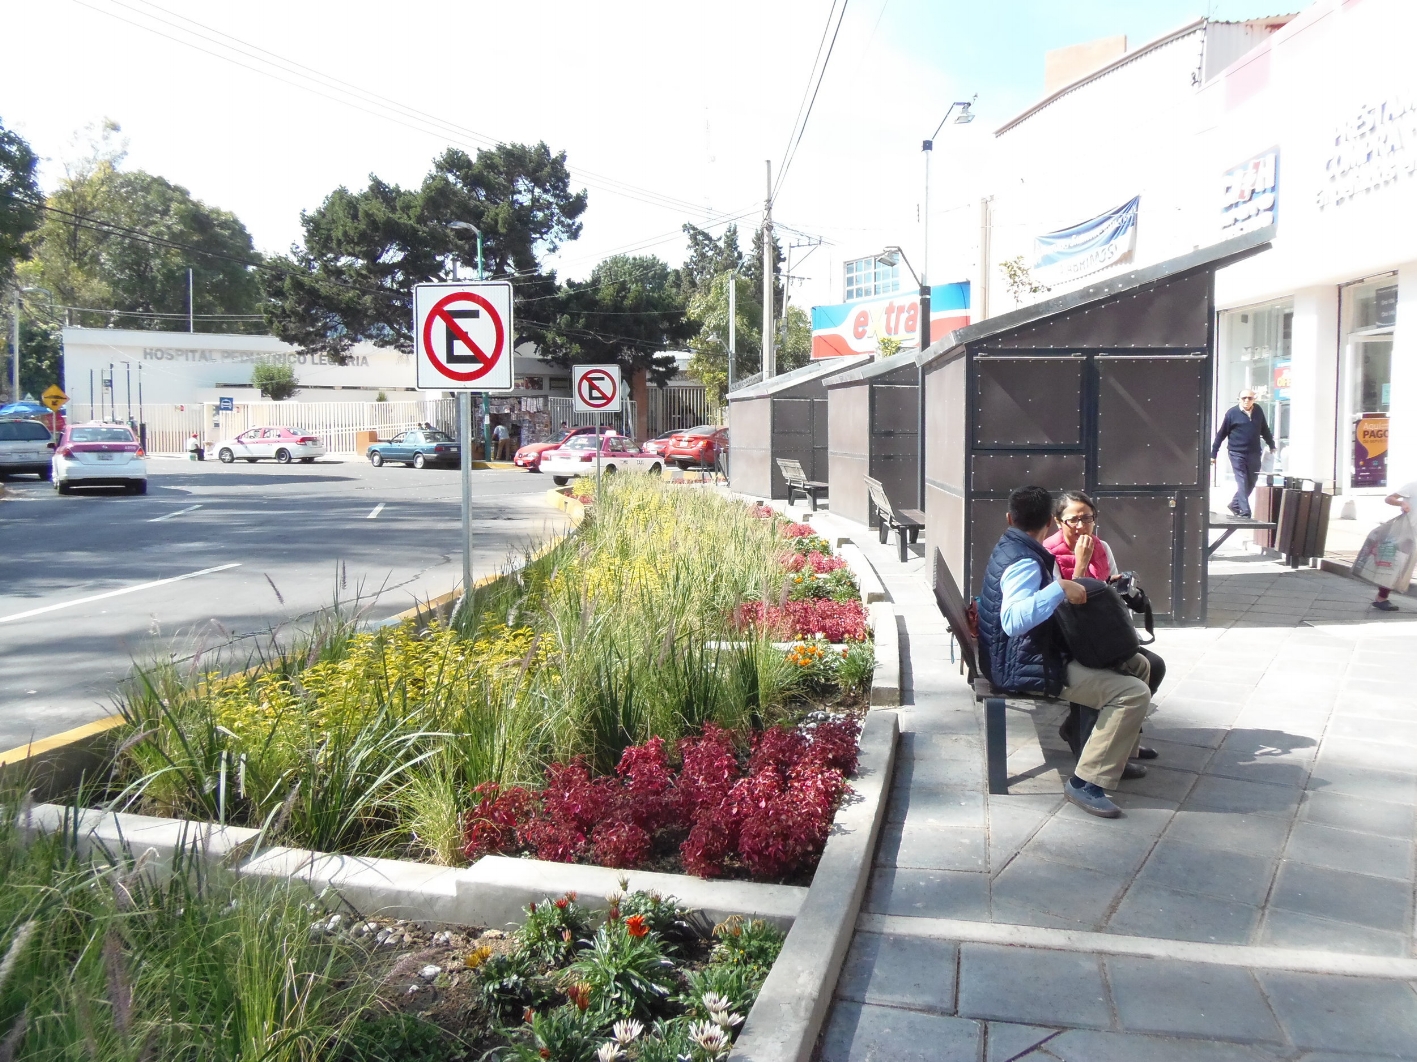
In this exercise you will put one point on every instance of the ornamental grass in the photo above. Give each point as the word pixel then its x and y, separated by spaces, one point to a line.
pixel 376 741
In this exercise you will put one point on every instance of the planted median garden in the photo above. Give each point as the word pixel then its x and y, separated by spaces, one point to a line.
pixel 675 686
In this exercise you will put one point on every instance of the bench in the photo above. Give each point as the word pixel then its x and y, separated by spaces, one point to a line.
pixel 1231 524
pixel 797 481
pixel 996 752
pixel 902 521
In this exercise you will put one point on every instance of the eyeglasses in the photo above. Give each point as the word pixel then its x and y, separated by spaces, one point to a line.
pixel 1080 521
pixel 1247 398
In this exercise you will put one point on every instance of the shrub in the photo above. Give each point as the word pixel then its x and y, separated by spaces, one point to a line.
pixel 857 666
pixel 553 930
pixel 834 621
pixel 750 943
pixel 626 971
pixel 509 985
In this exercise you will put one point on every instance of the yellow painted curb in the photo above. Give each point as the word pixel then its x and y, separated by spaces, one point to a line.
pixel 560 498
pixel 59 741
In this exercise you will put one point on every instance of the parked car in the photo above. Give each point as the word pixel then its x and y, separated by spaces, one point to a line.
pixel 26 446
pixel 701 446
pixel 420 448
pixel 529 456
pixel 576 457
pixel 658 444
pixel 281 444
pixel 99 455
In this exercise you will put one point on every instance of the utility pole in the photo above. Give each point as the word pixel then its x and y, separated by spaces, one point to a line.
pixel 732 323
pixel 190 290
pixel 769 358
pixel 15 345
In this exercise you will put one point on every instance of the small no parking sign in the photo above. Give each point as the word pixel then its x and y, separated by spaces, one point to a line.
pixel 596 388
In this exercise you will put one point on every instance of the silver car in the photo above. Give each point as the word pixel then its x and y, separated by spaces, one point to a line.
pixel 25 446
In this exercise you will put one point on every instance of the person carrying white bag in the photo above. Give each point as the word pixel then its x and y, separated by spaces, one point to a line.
pixel 1387 556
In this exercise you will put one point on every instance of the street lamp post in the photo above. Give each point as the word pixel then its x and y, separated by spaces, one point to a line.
pixel 15 335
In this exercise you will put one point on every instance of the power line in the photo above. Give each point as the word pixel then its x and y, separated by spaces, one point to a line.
pixel 792 152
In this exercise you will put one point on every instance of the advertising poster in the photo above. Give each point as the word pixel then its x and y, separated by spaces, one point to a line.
pixel 1087 247
pixel 858 327
pixel 1370 452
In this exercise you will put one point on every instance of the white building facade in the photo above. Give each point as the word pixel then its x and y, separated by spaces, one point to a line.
pixel 1309 122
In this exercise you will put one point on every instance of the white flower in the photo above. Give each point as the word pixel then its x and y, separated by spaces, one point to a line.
pixel 725 1020
pixel 608 1053
pixel 713 1001
pixel 628 1031
pixel 709 1036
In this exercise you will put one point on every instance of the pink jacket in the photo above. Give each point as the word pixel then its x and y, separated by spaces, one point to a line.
pixel 1099 567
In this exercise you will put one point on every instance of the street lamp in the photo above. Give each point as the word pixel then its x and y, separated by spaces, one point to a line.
pixel 467 226
pixel 964 117
pixel 15 334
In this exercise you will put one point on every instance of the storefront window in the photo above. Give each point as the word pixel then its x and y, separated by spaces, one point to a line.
pixel 1256 346
pixel 1369 312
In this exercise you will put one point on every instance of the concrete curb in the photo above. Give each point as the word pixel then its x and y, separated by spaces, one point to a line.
pixel 872 589
pixel 560 498
pixel 885 681
pixel 787 1018
pixel 491 892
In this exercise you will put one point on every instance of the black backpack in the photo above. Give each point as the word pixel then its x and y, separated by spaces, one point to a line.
pixel 1100 634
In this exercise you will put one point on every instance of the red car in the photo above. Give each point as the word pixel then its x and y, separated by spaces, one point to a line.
pixel 529 456
pixel 658 444
pixel 702 446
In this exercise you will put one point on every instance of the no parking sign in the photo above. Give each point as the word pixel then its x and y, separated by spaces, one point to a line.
pixel 462 335
pixel 596 388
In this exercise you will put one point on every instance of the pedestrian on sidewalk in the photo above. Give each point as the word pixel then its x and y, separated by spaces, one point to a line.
pixel 499 436
pixel 1243 429
pixel 1019 651
pixel 1403 498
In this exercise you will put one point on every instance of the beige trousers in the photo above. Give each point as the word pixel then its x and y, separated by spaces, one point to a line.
pixel 1121 700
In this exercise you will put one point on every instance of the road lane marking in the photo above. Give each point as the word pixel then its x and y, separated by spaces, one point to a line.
pixel 377 510
pixel 115 593
pixel 169 516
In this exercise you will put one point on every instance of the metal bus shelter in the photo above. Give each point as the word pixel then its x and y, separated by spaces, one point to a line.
pixel 1107 389
pixel 873 430
pixel 785 416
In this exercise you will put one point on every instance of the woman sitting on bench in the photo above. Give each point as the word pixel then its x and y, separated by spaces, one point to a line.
pixel 1080 552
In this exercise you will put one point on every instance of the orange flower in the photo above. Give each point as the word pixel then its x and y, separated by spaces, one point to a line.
pixel 545 1052
pixel 635 925
pixel 528 1014
pixel 579 994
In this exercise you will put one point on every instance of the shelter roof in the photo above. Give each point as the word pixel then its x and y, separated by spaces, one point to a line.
pixel 880 367
pixel 806 374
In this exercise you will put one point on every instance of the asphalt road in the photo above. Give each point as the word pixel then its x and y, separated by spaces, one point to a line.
pixel 219 555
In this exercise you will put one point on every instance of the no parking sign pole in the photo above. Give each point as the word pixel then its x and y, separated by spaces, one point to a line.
pixel 596 389
pixel 462 335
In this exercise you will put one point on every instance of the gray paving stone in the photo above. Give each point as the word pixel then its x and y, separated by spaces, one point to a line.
pixel 1032 986
pixel 1380 903
pixel 1404 732
pixel 1344 1013
pixel 1264 756
pixel 932 847
pixel 1370 783
pixel 1208 871
pixel 1185 733
pixel 917 973
pixel 1216 692
pixel 931 893
pixel 1293 929
pixel 1230 794
pixel 1354 813
pixel 1382 755
pixel 1153 911
pixel 1008 1041
pixel 920 806
pixel 1258 835
pixel 1366 853
pixel 858 1032
pixel 1190 999
pixel 1162 781
pixel 1086 841
pixel 938 773
pixel 1177 757
pixel 1078 894
pixel 1077 1045
pixel 1014 913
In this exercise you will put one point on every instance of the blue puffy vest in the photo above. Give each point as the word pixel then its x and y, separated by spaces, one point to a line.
pixel 1029 662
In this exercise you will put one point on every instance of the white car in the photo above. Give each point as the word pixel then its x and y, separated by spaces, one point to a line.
pixel 280 444
pixel 99 455
pixel 25 446
pixel 576 457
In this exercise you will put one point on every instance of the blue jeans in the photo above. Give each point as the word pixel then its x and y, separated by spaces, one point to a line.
pixel 1247 471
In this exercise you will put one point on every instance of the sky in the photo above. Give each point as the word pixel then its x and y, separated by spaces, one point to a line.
pixel 668 112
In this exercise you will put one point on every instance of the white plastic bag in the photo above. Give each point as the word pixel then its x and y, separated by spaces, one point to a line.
pixel 1387 555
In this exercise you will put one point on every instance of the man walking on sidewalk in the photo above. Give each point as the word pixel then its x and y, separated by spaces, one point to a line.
pixel 1244 426
pixel 1019 651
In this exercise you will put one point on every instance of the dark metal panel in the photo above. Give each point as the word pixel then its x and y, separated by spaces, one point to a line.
pixel 1149 421
pixel 992 472
pixel 1171 313
pixel 846 474
pixel 946 434
pixel 749 453
pixel 898 474
pixel 820 437
pixel 944 529
pixel 894 409
pixel 791 415
pixel 1028 402
pixel 1192 514
pixel 1141 529
pixel 988 519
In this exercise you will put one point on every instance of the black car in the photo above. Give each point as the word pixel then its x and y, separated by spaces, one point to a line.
pixel 420 448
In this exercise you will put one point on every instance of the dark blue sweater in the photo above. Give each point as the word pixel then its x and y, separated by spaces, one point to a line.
pixel 1245 430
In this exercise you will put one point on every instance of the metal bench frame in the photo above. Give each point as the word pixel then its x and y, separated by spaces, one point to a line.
pixel 902 521
pixel 797 481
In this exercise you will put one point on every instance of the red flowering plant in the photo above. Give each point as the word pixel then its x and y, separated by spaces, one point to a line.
pixel 761 512
pixel 819 563
pixel 767 812
pixel 835 621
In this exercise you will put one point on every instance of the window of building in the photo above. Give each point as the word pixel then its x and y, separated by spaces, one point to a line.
pixel 868 277
pixel 1256 351
pixel 1368 313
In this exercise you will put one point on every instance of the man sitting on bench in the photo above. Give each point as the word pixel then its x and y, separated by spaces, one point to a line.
pixel 1019 650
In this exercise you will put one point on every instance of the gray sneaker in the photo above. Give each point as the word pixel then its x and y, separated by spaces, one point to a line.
pixel 1094 803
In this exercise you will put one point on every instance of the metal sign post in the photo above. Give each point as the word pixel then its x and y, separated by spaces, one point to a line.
pixel 596 389
pixel 462 333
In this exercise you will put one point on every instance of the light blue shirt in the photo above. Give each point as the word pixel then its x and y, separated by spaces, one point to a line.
pixel 1025 605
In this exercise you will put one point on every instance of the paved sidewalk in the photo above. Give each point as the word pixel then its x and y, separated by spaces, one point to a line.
pixel 1255 902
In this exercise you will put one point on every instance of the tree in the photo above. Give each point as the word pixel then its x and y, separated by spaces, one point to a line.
pixel 1019 281
pixel 887 346
pixel 41 357
pixel 708 309
pixel 20 199
pixel 708 258
pixel 277 382
pixel 363 251
pixel 794 347
pixel 118 245
pixel 630 311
